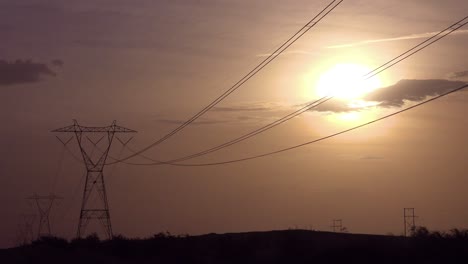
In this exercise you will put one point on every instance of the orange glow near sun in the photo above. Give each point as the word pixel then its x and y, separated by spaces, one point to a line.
pixel 347 82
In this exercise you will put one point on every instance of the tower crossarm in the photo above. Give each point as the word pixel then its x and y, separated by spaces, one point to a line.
pixel 76 128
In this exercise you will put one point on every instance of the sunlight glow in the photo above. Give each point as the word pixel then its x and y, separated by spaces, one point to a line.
pixel 346 81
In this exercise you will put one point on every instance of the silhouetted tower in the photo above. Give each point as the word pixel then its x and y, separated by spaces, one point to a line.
pixel 409 220
pixel 25 229
pixel 337 225
pixel 94 183
pixel 44 206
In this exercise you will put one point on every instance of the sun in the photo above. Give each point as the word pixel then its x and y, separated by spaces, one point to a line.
pixel 347 82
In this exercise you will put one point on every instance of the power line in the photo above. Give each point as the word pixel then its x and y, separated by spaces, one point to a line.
pixel 226 144
pixel 441 34
pixel 60 162
pixel 322 138
pixel 64 214
pixel 417 48
pixel 324 99
pixel 309 25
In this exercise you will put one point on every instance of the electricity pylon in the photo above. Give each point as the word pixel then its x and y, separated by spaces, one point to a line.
pixel 409 220
pixel 94 173
pixel 44 206
pixel 25 229
pixel 337 225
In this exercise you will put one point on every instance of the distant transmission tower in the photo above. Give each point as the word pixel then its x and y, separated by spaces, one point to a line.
pixel 337 225
pixel 409 220
pixel 94 183
pixel 25 229
pixel 44 206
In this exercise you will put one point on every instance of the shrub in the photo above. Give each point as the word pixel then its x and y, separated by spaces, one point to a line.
pixel 52 241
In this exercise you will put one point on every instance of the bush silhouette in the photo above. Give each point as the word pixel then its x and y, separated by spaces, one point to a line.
pixel 420 232
pixel 52 241
pixel 91 240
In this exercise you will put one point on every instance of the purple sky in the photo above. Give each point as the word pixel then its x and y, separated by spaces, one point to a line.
pixel 152 64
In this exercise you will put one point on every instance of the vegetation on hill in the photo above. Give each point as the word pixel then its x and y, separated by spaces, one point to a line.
pixel 289 246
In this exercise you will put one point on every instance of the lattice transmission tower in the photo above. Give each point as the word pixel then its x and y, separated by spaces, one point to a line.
pixel 25 232
pixel 337 225
pixel 94 205
pixel 409 221
pixel 44 205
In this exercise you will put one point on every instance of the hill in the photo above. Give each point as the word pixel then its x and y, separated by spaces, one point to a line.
pixel 288 246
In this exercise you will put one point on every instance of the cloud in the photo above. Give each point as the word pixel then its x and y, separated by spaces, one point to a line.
pixel 57 62
pixel 406 37
pixel 300 52
pixel 410 90
pixel 335 106
pixel 197 122
pixel 371 157
pixel 236 113
pixel 249 107
pixel 462 75
pixel 364 157
pixel 19 72
pixel 392 96
pixel 240 109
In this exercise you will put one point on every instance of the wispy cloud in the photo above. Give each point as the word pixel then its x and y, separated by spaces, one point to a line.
pixel 301 52
pixel 198 122
pixel 392 96
pixel 354 157
pixel 250 107
pixel 406 37
pixel 240 108
pixel 461 75
pixel 20 72
pixel 57 63
pixel 235 114
pixel 371 157
pixel 396 95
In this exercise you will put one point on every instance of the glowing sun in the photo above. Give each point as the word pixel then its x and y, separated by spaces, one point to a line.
pixel 347 81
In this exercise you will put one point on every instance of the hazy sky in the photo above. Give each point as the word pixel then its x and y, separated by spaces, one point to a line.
pixel 151 64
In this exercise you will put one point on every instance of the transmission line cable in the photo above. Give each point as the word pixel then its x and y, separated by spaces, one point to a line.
pixel 326 137
pixel 309 25
pixel 59 169
pixel 443 33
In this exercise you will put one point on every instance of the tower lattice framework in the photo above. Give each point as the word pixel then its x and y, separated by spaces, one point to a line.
pixel 409 221
pixel 44 205
pixel 94 183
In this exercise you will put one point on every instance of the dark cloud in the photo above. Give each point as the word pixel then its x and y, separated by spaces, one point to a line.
pixel 19 72
pixel 458 75
pixel 57 62
pixel 410 90
pixel 395 95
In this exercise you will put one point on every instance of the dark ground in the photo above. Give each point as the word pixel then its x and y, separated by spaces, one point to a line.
pixel 289 246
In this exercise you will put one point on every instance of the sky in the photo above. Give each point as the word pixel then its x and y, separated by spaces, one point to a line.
pixel 151 65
